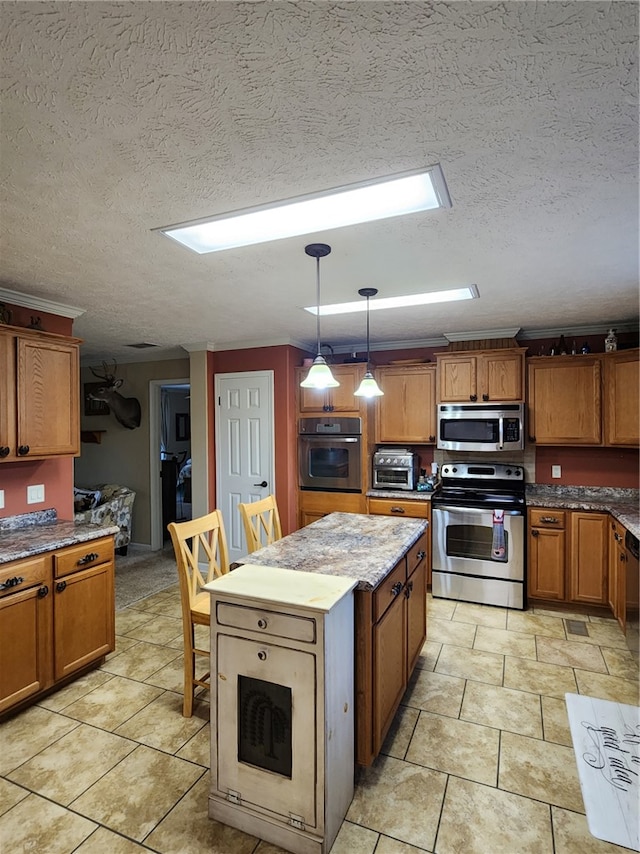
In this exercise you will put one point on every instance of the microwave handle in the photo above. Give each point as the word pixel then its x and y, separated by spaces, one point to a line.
pixel 501 432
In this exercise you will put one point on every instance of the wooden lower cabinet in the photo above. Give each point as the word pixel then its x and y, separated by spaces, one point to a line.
pixel 391 627
pixel 616 587
pixel 406 509
pixel 57 620
pixel 314 505
pixel 588 558
pixel 547 554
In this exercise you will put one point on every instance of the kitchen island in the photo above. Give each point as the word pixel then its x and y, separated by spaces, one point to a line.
pixel 387 558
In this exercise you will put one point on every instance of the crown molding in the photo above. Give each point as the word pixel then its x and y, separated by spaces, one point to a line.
pixel 482 335
pixel 40 304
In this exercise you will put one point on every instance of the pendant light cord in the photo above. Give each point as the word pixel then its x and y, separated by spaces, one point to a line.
pixel 318 303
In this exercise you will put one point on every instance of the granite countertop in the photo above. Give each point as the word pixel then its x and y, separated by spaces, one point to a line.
pixel 622 504
pixel 352 545
pixel 34 533
pixel 401 494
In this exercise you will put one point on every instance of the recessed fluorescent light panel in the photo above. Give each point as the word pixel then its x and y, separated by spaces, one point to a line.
pixel 408 192
pixel 453 295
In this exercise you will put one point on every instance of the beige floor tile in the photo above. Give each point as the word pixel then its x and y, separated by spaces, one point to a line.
pixel 572 836
pixel 399 735
pixel 129 618
pixel 386 845
pixel 555 721
pixel 481 820
pixel 535 624
pixel 441 609
pixel 198 748
pixel 141 661
pixel 171 676
pixel 10 795
pixel 518 644
pixel 353 839
pixel 480 615
pixel 503 708
pixel 64 770
pixel 28 733
pixel 620 662
pixel 541 770
pixel 113 703
pixel 456 747
pixel 561 613
pixel 446 631
pixel 74 690
pixel 538 678
pixel 163 597
pixel 159 630
pixel 161 724
pixel 122 643
pixel 570 654
pixel 607 687
pixel 471 664
pixel 103 841
pixel 188 828
pixel 134 796
pixel 428 655
pixel 172 607
pixel 38 825
pixel 435 692
pixel 603 634
pixel 399 799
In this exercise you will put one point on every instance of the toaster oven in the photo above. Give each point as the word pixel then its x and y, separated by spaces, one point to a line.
pixel 395 468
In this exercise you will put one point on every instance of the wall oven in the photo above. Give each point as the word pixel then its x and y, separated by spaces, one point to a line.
pixel 481 427
pixel 330 454
pixel 478 535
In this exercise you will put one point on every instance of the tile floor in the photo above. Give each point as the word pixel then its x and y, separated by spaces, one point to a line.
pixel 478 761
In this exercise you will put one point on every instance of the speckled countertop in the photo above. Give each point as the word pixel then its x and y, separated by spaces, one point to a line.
pixel 348 544
pixel 400 494
pixel 34 533
pixel 622 504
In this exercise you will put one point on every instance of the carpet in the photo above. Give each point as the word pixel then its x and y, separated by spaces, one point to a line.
pixel 139 575
pixel 606 743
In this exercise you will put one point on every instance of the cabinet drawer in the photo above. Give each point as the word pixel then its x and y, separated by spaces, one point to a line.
pixel 389 507
pixel 416 554
pixel 82 556
pixel 389 589
pixel 19 575
pixel 267 622
pixel 546 518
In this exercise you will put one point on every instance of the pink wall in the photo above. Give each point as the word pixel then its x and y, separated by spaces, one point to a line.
pixel 589 467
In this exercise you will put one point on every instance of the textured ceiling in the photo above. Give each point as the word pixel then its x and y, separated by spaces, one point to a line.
pixel 118 118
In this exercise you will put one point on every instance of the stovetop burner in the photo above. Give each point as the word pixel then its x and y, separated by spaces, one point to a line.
pixel 494 484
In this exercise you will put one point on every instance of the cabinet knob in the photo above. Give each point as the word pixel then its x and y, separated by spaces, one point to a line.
pixel 327 408
pixel 43 591
pixel 262 655
pixel 408 589
pixel 473 397
pixel 4 451
pixel 262 624
pixel 534 533
pixel 421 554
pixel 432 438
pixel 532 438
pixel 60 586
pixel 23 450
pixel 397 587
pixel 485 397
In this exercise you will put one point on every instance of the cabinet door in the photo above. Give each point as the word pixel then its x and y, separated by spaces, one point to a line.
pixel 25 645
pixel 47 398
pixel 502 376
pixel 416 596
pixel 389 668
pixel 407 411
pixel 617 573
pixel 621 384
pixel 589 558
pixel 313 505
pixel 340 399
pixel 546 563
pixel 83 618
pixel 7 396
pixel 457 377
pixel 564 400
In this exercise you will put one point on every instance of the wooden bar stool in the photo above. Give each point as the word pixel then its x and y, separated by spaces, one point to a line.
pixel 261 522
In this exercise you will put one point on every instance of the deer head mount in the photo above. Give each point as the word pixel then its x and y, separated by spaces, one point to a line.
pixel 126 409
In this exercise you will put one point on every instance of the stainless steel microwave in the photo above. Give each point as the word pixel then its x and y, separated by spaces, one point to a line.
pixel 481 426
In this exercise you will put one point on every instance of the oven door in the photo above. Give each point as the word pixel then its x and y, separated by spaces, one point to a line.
pixel 330 463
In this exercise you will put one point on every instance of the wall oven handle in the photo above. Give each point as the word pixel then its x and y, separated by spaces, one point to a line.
pixel 459 508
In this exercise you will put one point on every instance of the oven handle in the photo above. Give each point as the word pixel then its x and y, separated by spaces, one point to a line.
pixel 457 508
pixel 501 432
pixel 325 437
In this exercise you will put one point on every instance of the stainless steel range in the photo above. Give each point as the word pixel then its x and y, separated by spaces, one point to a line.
pixel 478 534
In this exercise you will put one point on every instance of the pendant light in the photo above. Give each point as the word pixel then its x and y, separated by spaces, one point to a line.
pixel 368 387
pixel 319 375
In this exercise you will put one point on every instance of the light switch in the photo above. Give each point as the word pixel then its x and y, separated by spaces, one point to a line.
pixel 556 471
pixel 1 499
pixel 35 494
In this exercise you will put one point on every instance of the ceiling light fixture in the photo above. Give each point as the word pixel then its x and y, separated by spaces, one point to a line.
pixel 467 292
pixel 319 375
pixel 368 387
pixel 406 192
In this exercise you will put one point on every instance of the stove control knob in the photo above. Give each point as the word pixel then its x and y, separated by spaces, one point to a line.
pixel 508 472
pixel 516 472
pixel 454 469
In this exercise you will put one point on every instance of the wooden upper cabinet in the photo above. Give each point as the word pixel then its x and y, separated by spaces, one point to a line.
pixel 39 395
pixel 485 375
pixel 621 404
pixel 339 399
pixel 564 400
pixel 407 410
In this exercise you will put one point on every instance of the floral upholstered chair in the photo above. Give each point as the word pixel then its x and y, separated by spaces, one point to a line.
pixel 108 504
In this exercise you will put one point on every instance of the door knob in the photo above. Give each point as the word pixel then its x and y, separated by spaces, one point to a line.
pixel 263 483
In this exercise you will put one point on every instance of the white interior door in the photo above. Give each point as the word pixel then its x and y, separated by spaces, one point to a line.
pixel 244 448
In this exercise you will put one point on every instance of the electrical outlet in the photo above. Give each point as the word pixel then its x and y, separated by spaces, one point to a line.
pixel 35 494
pixel 556 471
pixel 1 499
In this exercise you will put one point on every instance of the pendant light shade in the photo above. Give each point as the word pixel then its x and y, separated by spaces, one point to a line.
pixel 368 387
pixel 319 375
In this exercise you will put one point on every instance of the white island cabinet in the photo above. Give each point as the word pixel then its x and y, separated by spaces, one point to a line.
pixel 282 704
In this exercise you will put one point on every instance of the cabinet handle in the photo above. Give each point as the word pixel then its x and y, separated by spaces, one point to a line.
pixel 397 587
pixel 549 520
pixel 397 510
pixel 421 555
pixel 60 586
pixel 473 397
pixel 617 536
pixel 534 533
pixel 262 624
pixel 23 450
pixel 262 655
pixel 12 582
pixel 327 408
pixel 43 591
pixel 4 451
pixel 88 558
